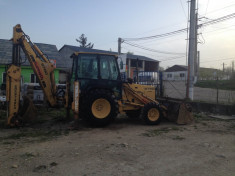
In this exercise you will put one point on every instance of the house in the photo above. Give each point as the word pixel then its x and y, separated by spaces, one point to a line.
pixel 145 64
pixel 180 72
pixel 67 50
pixel 176 73
pixel 27 73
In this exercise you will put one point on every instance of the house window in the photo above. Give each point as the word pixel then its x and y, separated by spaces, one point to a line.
pixel 134 63
pixel 169 75
pixel 182 75
pixel 33 78
pixel 4 77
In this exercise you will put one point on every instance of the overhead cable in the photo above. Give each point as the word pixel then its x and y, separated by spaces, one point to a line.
pixel 152 50
pixel 227 17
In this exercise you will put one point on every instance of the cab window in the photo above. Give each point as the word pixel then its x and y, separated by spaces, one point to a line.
pixel 108 68
pixel 87 67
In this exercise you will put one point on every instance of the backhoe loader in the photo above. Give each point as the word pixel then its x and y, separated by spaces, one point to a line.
pixel 94 88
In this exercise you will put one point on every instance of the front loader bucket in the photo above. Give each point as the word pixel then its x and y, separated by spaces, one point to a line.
pixel 181 113
pixel 185 115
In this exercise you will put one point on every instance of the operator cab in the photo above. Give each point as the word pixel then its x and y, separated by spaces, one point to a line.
pixel 96 71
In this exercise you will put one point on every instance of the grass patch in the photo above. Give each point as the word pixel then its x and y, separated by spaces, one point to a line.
pixel 203 117
pixel 157 132
pixel 39 135
pixel 231 127
pixel 58 115
pixel 222 84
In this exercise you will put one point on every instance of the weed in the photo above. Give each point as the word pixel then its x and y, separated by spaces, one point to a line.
pixel 40 168
pixel 177 129
pixel 204 124
pixel 53 164
pixel 27 156
pixel 8 142
pixel 178 138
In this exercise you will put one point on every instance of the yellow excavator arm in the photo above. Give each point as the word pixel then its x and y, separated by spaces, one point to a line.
pixel 42 67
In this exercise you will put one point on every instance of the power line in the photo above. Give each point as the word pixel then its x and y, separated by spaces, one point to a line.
pixel 158 41
pixel 224 18
pixel 223 29
pixel 227 17
pixel 183 10
pixel 152 50
pixel 168 59
pixel 156 36
pixel 173 58
pixel 136 51
pixel 220 9
pixel 218 60
pixel 207 7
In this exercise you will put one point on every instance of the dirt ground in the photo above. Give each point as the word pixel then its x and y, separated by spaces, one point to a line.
pixel 126 147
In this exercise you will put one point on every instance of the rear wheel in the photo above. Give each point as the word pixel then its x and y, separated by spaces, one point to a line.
pixel 151 114
pixel 101 108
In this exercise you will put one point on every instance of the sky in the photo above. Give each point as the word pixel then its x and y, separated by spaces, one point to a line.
pixel 60 22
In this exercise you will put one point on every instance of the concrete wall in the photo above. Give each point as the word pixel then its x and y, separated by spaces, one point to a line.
pixel 177 89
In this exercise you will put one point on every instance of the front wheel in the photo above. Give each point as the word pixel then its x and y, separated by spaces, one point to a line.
pixel 151 114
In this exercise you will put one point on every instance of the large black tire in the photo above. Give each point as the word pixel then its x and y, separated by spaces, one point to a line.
pixel 101 108
pixel 133 113
pixel 151 114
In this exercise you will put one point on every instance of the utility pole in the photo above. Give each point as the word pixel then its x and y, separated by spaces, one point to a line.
pixel 232 66
pixel 196 53
pixel 223 66
pixel 191 53
pixel 198 63
pixel 119 45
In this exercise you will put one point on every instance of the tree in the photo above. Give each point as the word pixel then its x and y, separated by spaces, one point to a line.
pixel 129 52
pixel 83 42
pixel 161 68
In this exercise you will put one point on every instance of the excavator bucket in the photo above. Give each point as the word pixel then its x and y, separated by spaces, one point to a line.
pixel 28 111
pixel 26 114
pixel 180 113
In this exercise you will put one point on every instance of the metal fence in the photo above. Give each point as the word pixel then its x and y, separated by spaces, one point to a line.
pixel 145 78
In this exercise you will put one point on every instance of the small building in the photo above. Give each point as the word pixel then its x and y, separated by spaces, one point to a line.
pixel 180 73
pixel 27 73
pixel 176 73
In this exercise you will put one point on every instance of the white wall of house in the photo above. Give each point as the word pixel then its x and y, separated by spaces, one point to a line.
pixel 175 76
